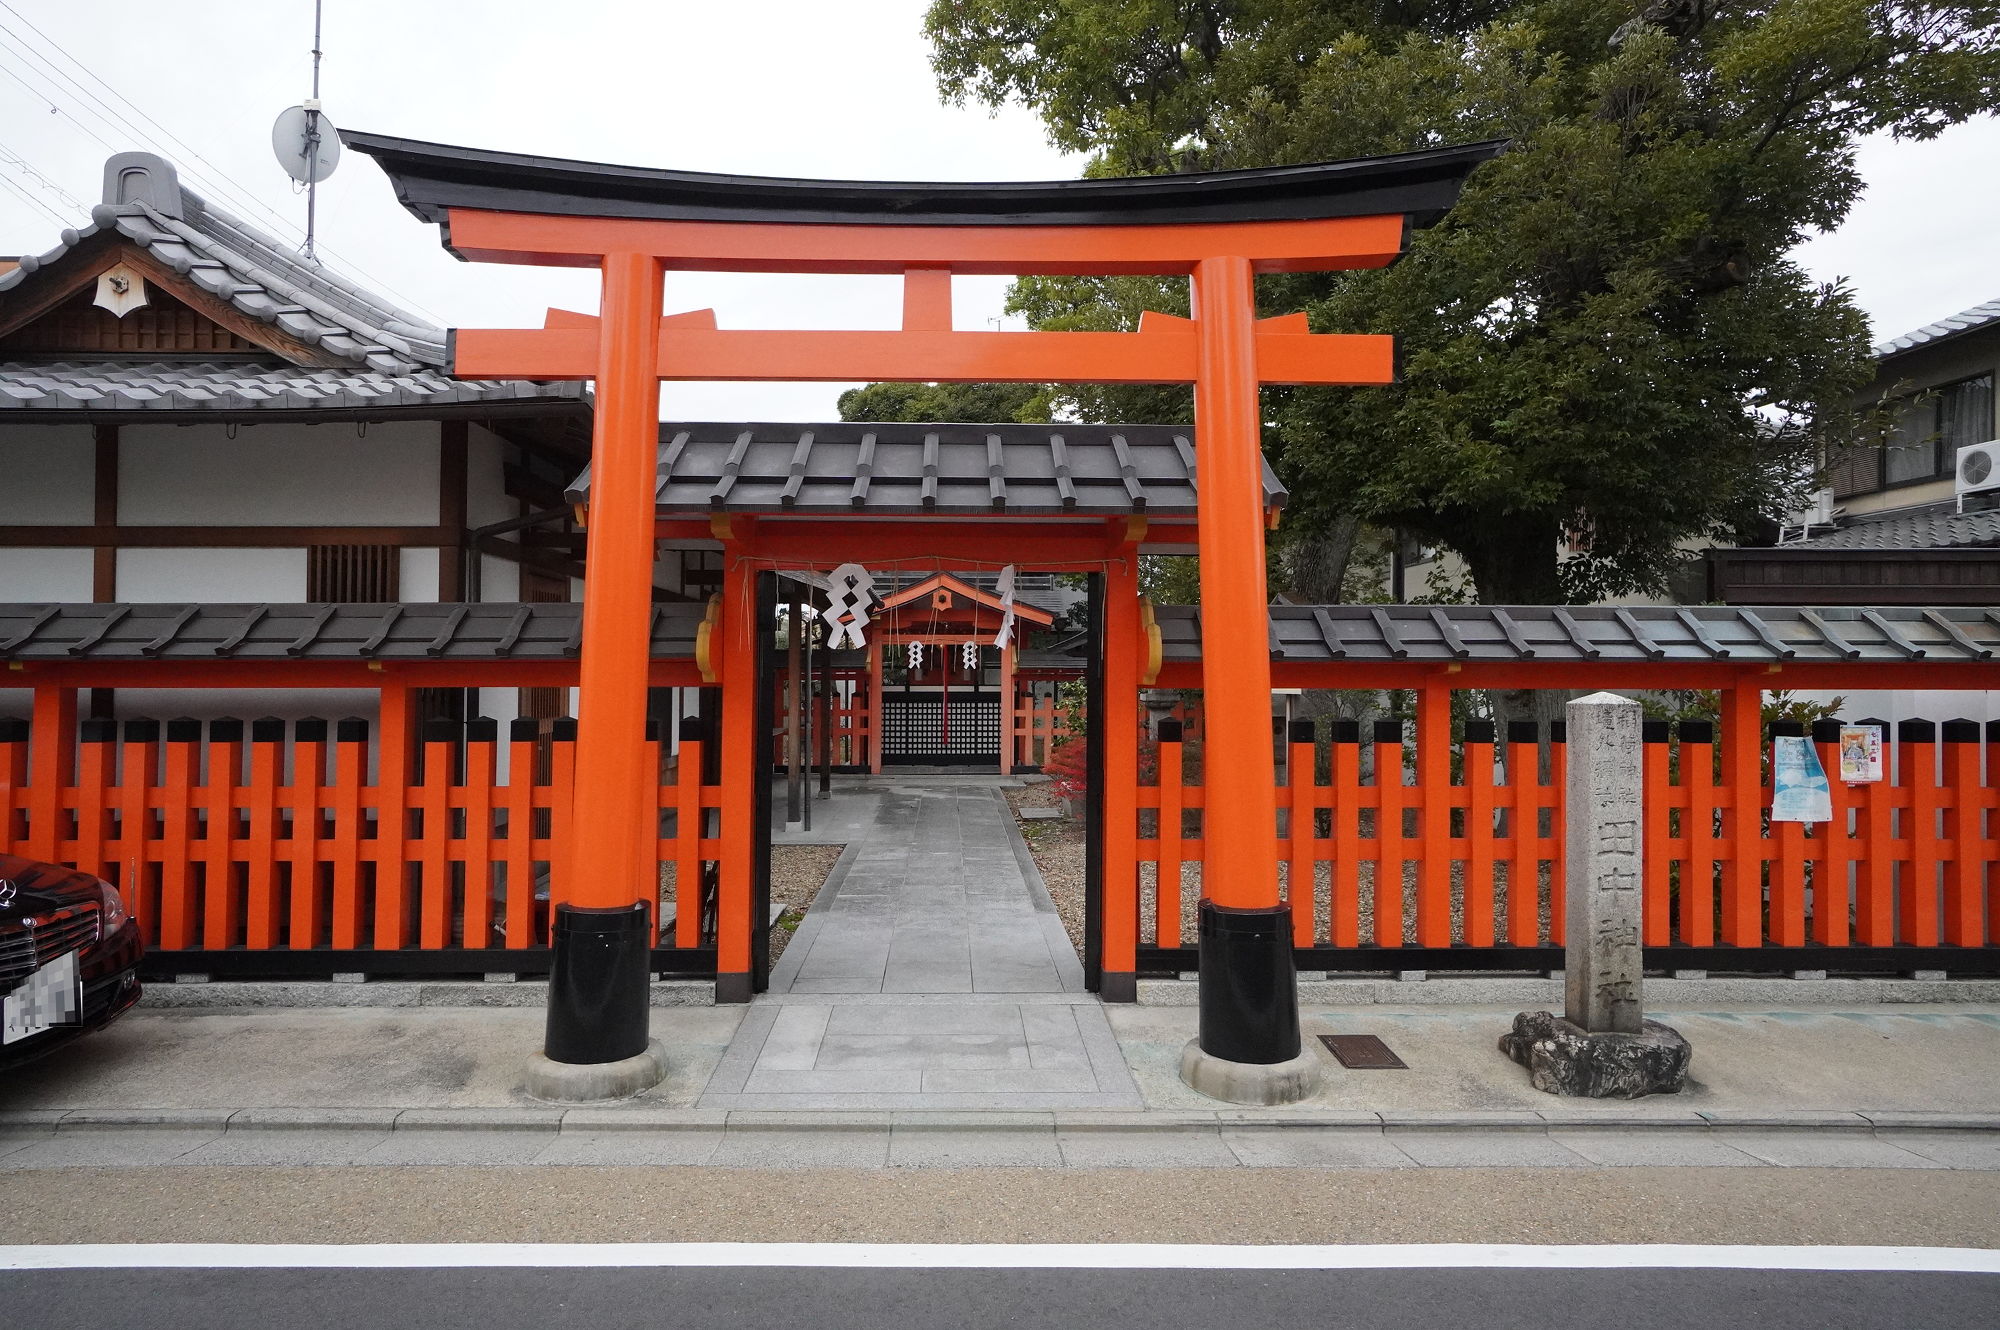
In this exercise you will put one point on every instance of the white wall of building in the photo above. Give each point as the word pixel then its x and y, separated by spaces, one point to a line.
pixel 30 575
pixel 1902 704
pixel 417 576
pixel 499 579
pixel 216 575
pixel 279 475
pixel 47 476
pixel 486 497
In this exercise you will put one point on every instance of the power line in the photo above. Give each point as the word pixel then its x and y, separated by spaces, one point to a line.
pixel 220 183
pixel 16 158
pixel 42 96
pixel 26 197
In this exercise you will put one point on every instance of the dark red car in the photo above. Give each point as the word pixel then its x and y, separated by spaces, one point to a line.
pixel 69 956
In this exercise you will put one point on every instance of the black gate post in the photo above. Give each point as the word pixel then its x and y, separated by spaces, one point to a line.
pixel 766 760
pixel 1093 815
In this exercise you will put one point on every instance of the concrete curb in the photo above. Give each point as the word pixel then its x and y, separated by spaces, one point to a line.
pixel 1436 990
pixel 1773 993
pixel 390 993
pixel 1172 1122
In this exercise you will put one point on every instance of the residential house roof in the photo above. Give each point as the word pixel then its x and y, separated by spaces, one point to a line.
pixel 1965 321
pixel 1930 528
pixel 369 353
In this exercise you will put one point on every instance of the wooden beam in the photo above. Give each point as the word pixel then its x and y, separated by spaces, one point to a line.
pixel 454 441
pixel 1006 251
pixel 785 355
pixel 221 537
pixel 104 558
pixel 104 561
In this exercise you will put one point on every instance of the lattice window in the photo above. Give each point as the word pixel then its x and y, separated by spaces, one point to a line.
pixel 923 728
pixel 365 573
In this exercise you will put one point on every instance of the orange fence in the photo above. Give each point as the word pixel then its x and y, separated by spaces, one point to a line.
pixel 1038 721
pixel 1376 855
pixel 304 842
pixel 1039 725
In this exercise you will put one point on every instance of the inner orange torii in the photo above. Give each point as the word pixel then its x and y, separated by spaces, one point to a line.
pixel 945 612
pixel 1219 229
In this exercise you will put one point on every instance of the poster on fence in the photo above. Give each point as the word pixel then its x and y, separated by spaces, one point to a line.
pixel 1799 792
pixel 1860 754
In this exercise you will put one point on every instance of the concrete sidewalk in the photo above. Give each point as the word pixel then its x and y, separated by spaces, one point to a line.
pixel 1915 1087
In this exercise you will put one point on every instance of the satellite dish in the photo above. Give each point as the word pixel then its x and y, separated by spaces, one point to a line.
pixel 306 144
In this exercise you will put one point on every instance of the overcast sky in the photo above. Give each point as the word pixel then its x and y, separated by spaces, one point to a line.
pixel 831 88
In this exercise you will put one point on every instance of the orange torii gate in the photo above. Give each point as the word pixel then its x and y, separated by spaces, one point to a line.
pixel 1219 229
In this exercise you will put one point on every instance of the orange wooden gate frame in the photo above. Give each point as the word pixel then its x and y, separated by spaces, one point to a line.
pixel 1218 229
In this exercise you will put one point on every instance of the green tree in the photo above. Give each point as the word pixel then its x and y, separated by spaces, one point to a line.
pixel 1607 353
pixel 946 402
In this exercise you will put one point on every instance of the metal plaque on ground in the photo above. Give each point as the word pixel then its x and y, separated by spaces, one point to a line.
pixel 1362 1052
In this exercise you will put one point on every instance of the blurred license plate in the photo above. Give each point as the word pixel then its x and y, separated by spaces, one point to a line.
pixel 51 996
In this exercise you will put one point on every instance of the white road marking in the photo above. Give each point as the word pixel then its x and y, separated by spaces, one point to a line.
pixel 953 1256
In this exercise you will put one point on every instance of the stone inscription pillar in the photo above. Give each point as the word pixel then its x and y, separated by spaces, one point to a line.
pixel 1603 962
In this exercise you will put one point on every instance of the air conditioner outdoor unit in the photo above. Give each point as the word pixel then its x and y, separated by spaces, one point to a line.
pixel 1817 512
pixel 1978 469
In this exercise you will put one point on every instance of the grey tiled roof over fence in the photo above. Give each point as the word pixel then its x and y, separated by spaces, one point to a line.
pixel 450 632
pixel 1612 634
pixel 1299 633
pixel 1079 470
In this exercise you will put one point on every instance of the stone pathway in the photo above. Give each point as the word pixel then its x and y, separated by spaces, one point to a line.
pixel 931 973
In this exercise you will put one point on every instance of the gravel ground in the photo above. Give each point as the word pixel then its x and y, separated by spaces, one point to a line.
pixel 1058 850
pixel 797 874
pixel 1057 847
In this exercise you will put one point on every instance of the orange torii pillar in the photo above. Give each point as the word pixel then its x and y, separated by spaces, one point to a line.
pixel 1247 1048
pixel 600 972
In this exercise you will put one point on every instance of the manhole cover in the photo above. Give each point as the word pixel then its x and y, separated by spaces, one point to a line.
pixel 1361 1052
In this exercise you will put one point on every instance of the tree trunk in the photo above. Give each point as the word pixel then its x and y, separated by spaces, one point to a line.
pixel 1315 567
pixel 1517 566
pixel 1316 562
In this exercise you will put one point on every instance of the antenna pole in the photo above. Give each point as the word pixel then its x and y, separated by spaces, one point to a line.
pixel 312 141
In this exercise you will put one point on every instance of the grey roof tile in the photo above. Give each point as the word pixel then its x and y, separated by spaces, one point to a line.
pixel 1938 529
pixel 1307 634
pixel 942 468
pixel 1607 634
pixel 494 630
pixel 1979 316
pixel 242 385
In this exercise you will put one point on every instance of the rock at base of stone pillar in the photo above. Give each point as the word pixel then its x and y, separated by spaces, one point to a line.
pixel 1566 1059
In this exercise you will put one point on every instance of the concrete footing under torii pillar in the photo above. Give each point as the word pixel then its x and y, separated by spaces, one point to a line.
pixel 1602 1046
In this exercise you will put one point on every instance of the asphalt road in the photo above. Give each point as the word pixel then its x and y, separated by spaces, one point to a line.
pixel 1006 1299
